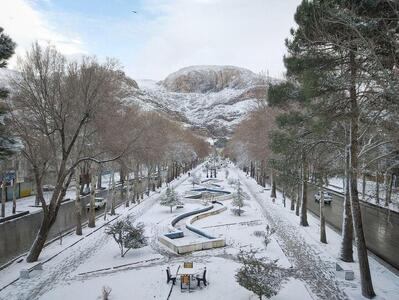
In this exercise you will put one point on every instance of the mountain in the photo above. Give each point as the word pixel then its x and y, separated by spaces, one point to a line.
pixel 210 99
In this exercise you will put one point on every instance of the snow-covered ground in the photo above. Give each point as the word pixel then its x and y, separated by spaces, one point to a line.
pixel 92 261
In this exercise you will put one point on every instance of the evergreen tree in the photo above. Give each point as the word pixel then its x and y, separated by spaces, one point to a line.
pixel 7 47
pixel 171 198
pixel 263 278
pixel 238 199
pixel 343 55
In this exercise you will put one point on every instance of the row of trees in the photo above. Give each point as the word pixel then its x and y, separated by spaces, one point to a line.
pixel 72 121
pixel 338 110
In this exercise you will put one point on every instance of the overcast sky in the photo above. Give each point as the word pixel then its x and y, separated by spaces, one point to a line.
pixel 162 37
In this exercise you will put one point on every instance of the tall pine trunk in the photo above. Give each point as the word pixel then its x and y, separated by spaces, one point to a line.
pixel 304 204
pixel 323 235
pixel 298 201
pixel 14 195
pixel 366 281
pixel 3 198
pixel 273 185
pixel 346 253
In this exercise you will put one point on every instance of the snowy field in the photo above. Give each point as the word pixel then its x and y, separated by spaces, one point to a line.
pixel 92 261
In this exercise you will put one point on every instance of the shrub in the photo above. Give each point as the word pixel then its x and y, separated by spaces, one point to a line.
pixel 264 278
pixel 127 235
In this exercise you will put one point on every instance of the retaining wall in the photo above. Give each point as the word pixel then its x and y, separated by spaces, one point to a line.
pixel 17 235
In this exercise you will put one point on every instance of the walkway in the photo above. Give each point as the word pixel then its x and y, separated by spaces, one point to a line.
pixel 317 274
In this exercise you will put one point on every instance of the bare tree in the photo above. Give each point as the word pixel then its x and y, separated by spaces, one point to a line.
pixel 54 104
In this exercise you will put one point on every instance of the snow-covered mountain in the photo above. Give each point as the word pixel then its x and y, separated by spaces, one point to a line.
pixel 209 99
pixel 212 99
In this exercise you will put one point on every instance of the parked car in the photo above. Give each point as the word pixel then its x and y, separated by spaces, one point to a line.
pixel 48 188
pixel 327 197
pixel 98 203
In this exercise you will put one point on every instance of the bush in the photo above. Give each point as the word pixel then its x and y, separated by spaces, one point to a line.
pixel 264 278
pixel 237 211
pixel 127 235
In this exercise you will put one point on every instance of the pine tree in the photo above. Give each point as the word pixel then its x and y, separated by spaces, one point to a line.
pixel 7 47
pixel 263 278
pixel 171 198
pixel 238 199
pixel 344 56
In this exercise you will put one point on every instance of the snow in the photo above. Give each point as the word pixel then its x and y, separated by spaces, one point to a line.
pixel 82 269
pixel 28 203
pixel 336 184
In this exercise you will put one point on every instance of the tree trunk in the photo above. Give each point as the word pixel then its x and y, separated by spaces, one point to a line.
pixel 377 187
pixel 284 197
pixel 92 209
pixel 159 175
pixel 292 206
pixel 113 194
pixel 273 185
pixel 390 189
pixel 78 207
pixel 304 206
pixel 298 201
pixel 366 281
pixel 346 253
pixel 14 195
pixel 323 235
pixel 388 186
pixel 127 189
pixel 3 198
pixel 41 238
pixel 99 178
pixel 49 216
pixel 364 185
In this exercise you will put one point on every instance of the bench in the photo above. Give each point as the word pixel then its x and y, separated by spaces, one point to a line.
pixel 175 235
pixel 348 274
pixel 24 273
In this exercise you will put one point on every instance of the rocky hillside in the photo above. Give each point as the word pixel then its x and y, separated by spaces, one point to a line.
pixel 209 99
pixel 212 99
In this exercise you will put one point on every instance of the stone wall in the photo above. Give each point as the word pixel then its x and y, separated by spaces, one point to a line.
pixel 17 235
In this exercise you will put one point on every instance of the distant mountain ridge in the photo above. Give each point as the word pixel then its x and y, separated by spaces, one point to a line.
pixel 208 99
pixel 211 99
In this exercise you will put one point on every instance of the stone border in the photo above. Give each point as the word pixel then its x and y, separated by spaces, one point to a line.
pixel 194 246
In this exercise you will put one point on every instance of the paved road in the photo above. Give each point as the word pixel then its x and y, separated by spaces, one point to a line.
pixel 381 227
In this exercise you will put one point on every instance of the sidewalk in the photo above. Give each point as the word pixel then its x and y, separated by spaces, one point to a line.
pixel 316 261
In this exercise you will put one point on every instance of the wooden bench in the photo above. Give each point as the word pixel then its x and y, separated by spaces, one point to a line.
pixel 348 274
pixel 24 273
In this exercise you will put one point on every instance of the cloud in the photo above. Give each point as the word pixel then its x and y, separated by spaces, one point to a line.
pixel 235 32
pixel 24 23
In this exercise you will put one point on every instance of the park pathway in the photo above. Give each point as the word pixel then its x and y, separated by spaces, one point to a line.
pixel 308 266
